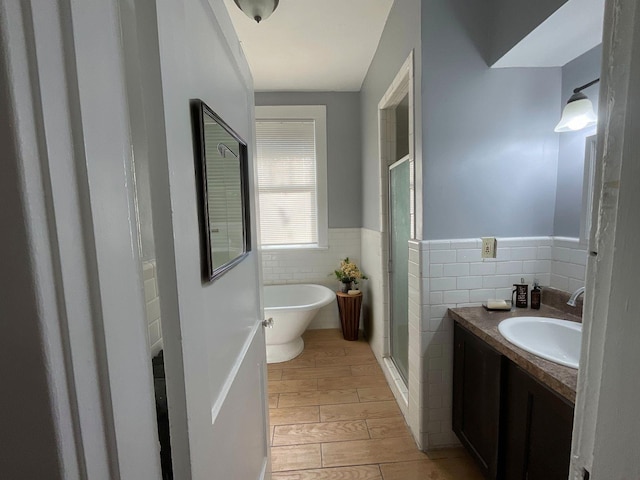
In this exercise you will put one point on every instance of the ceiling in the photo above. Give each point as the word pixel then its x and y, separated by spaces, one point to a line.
pixel 328 45
pixel 312 45
pixel 573 29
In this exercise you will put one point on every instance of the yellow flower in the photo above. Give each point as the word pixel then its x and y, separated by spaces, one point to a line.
pixel 348 272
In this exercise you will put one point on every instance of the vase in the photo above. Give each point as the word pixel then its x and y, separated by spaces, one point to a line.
pixel 349 310
pixel 345 287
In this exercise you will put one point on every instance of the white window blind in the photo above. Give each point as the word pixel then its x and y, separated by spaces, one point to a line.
pixel 287 181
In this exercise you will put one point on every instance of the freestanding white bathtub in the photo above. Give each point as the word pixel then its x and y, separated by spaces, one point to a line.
pixel 292 308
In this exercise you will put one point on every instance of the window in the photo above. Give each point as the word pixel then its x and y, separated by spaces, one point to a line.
pixel 292 175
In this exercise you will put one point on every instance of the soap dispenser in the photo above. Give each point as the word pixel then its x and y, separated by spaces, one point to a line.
pixel 521 293
pixel 536 295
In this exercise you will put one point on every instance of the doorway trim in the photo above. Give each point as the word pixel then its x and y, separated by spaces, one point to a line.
pixel 401 86
pixel 602 423
pixel 76 200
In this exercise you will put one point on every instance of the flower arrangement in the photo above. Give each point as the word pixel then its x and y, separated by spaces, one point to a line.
pixel 349 272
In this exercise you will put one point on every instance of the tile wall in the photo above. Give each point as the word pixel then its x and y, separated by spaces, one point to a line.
pixel 314 266
pixel 376 318
pixel 375 302
pixel 453 274
pixel 418 289
pixel 569 264
pixel 152 306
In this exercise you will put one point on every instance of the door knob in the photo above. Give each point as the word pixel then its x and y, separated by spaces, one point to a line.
pixel 268 323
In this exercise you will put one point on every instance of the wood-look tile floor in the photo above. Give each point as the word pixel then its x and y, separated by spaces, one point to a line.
pixel 333 417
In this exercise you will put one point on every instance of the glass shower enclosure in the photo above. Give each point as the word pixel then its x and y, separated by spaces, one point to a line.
pixel 399 236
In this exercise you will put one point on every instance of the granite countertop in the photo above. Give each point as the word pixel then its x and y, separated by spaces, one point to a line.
pixel 484 324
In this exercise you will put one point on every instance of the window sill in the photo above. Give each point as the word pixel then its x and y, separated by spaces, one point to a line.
pixel 297 248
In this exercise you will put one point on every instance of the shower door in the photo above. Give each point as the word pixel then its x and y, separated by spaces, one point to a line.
pixel 399 235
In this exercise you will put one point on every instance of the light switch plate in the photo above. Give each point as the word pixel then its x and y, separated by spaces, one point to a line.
pixel 489 247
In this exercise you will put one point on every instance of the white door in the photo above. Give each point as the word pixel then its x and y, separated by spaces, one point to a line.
pixel 66 69
pixel 213 335
pixel 606 425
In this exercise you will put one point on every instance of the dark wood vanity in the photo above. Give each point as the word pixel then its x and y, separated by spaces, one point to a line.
pixel 512 410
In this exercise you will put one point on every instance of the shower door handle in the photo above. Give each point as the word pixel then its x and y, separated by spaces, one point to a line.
pixel 268 323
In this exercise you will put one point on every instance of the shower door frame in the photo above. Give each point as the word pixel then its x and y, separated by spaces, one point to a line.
pixel 401 86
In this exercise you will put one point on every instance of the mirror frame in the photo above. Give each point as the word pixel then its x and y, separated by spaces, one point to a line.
pixel 209 272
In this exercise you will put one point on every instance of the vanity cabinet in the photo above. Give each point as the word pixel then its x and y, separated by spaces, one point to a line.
pixel 537 429
pixel 477 372
pixel 515 427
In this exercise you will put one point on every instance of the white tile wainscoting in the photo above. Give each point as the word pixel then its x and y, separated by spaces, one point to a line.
pixel 376 317
pixel 451 273
pixel 375 301
pixel 314 265
pixel 569 264
pixel 152 306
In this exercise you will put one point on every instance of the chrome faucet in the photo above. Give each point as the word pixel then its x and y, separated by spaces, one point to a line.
pixel 574 297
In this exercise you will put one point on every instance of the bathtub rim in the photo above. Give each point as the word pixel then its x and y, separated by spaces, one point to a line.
pixel 329 296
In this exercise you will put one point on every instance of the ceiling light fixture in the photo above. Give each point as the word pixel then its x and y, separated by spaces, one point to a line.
pixel 257 10
pixel 578 113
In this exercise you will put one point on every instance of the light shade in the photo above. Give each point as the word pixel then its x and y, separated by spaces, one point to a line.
pixel 578 114
pixel 257 10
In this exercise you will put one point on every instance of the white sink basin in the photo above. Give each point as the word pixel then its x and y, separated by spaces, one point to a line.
pixel 549 338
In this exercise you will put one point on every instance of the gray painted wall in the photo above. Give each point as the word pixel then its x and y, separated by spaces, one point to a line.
pixel 515 19
pixel 343 149
pixel 489 150
pixel 571 154
pixel 400 36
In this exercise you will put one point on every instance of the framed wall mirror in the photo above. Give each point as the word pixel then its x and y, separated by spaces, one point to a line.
pixel 222 186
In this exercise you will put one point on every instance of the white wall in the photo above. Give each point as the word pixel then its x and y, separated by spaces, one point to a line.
pixel 375 301
pixel 289 266
pixel 569 264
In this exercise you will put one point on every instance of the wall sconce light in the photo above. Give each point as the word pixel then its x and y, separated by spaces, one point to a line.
pixel 578 113
pixel 257 10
